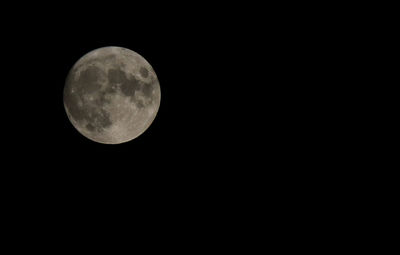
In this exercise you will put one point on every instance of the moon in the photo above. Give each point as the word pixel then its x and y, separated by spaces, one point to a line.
pixel 112 95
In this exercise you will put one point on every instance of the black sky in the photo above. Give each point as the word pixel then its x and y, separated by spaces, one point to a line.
pixel 200 60
pixel 240 103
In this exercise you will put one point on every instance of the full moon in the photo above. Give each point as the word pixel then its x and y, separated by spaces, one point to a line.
pixel 112 95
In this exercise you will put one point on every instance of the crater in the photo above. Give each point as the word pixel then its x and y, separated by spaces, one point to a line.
pixel 144 72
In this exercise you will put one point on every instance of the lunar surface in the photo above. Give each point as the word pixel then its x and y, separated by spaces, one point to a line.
pixel 111 95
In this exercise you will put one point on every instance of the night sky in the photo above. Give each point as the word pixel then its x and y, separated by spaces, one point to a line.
pixel 242 109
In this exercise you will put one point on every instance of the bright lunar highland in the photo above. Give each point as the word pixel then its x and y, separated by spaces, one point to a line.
pixel 112 95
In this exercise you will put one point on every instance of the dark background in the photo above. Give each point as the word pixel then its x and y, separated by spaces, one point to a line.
pixel 237 94
pixel 208 64
pixel 242 122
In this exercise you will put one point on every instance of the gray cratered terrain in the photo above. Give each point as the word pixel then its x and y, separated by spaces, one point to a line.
pixel 112 95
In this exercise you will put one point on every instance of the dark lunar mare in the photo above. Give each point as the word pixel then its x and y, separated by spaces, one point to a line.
pixel 129 85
